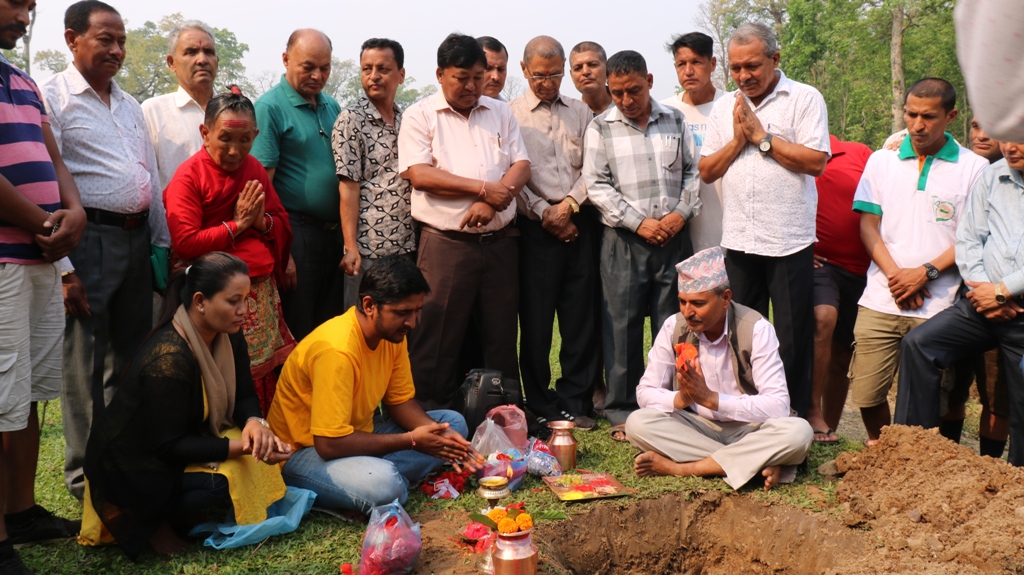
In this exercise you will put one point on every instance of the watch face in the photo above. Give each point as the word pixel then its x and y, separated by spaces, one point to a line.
pixel 933 274
pixel 1000 299
pixel 764 146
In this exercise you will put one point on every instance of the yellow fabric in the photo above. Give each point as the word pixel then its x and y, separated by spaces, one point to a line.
pixel 93 532
pixel 332 383
pixel 253 485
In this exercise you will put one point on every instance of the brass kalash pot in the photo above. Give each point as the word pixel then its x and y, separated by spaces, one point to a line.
pixel 515 554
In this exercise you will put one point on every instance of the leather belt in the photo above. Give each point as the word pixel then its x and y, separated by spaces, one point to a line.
pixel 314 222
pixel 116 220
pixel 508 231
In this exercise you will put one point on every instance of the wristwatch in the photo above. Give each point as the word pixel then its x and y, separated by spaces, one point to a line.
pixel 259 420
pixel 933 272
pixel 1000 296
pixel 766 144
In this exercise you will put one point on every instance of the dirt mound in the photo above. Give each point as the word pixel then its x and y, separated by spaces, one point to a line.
pixel 933 506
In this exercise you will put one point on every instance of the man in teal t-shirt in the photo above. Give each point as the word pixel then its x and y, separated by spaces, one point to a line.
pixel 294 144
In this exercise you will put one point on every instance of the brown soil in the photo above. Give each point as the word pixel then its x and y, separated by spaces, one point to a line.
pixel 916 503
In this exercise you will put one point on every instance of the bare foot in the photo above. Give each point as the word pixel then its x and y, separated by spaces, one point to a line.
pixel 166 542
pixel 771 476
pixel 649 464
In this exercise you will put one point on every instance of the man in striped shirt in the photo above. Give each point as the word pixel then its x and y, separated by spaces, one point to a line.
pixel 641 174
pixel 42 221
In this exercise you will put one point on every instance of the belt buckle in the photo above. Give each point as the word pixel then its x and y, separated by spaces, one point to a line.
pixel 132 222
pixel 485 238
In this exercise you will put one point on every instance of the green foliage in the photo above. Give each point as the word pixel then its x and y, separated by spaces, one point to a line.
pixel 16 57
pixel 842 48
pixel 52 60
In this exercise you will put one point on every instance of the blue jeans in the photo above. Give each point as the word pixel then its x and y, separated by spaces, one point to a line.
pixel 363 482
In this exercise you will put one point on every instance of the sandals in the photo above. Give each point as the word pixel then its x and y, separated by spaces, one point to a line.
pixel 827 433
pixel 620 428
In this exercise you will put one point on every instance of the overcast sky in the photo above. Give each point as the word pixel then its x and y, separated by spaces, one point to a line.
pixel 644 26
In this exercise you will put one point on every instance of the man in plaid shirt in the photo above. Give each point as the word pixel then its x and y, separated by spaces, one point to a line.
pixel 641 174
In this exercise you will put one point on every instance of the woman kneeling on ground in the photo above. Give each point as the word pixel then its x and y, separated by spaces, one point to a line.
pixel 168 447
pixel 221 199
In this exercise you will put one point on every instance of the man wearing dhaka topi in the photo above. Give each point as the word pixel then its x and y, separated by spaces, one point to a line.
pixel 713 400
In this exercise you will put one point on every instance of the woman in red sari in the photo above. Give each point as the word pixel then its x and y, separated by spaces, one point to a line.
pixel 220 199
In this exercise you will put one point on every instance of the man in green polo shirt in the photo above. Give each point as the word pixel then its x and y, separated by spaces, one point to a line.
pixel 294 144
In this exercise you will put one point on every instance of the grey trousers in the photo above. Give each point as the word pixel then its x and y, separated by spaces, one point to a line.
pixel 741 449
pixel 115 268
pixel 638 280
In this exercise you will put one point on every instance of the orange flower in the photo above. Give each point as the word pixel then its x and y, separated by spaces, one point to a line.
pixel 524 521
pixel 497 514
pixel 507 525
pixel 685 352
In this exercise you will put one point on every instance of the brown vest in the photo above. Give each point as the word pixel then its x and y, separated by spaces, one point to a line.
pixel 740 320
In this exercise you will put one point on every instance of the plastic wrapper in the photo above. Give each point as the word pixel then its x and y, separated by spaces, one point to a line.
pixel 392 542
pixel 542 464
pixel 512 421
pixel 503 459
pixel 491 438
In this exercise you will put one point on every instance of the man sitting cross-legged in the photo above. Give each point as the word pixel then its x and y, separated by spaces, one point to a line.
pixel 726 411
pixel 336 378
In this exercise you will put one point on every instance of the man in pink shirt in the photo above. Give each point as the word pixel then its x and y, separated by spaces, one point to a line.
pixel 466 160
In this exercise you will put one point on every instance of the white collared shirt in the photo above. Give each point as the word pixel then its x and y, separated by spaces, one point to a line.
pixel 772 399
pixel 768 210
pixel 173 121
pixel 106 149
pixel 483 146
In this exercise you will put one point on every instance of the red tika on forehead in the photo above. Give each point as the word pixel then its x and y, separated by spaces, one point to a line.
pixel 237 124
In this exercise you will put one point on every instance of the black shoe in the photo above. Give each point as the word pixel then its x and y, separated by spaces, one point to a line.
pixel 43 526
pixel 12 565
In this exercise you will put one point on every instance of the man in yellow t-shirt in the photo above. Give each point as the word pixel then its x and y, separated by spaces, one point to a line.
pixel 335 379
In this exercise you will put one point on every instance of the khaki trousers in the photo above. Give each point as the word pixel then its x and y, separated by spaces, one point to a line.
pixel 743 450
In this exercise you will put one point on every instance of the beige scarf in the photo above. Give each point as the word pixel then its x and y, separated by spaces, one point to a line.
pixel 217 366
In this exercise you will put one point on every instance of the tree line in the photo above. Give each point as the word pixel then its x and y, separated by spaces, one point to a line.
pixel 145 74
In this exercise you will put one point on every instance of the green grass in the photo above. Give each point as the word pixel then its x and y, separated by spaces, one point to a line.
pixel 322 543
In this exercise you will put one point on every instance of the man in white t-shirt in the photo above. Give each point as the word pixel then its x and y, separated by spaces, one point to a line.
pixel 694 58
pixel 910 201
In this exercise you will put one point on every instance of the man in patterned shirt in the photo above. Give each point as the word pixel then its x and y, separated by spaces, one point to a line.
pixel 641 174
pixel 376 219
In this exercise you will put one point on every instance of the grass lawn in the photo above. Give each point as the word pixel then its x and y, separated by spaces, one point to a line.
pixel 322 543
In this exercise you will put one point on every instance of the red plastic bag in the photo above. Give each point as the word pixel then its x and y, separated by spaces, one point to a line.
pixel 392 542
pixel 512 421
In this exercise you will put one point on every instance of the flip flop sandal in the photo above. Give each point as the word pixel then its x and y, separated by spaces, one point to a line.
pixel 825 441
pixel 620 428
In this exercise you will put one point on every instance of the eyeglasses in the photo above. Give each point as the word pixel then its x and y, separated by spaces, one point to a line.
pixel 539 78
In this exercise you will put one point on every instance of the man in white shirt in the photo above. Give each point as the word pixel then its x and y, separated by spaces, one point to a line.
pixel 694 58
pixel 496 70
pixel 103 139
pixel 910 202
pixel 466 160
pixel 767 142
pixel 174 118
pixel 723 410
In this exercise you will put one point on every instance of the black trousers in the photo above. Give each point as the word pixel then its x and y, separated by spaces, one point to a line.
pixel 788 282
pixel 953 334
pixel 558 277
pixel 320 292
pixel 199 492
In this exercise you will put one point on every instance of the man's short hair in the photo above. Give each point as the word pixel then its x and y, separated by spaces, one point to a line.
pixel 543 47
pixel 294 37
pixel 588 46
pixel 385 44
pixel 699 42
pixel 172 38
pixel 76 17
pixel 750 31
pixel 391 279
pixel 492 44
pixel 934 88
pixel 718 291
pixel 625 63
pixel 460 51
